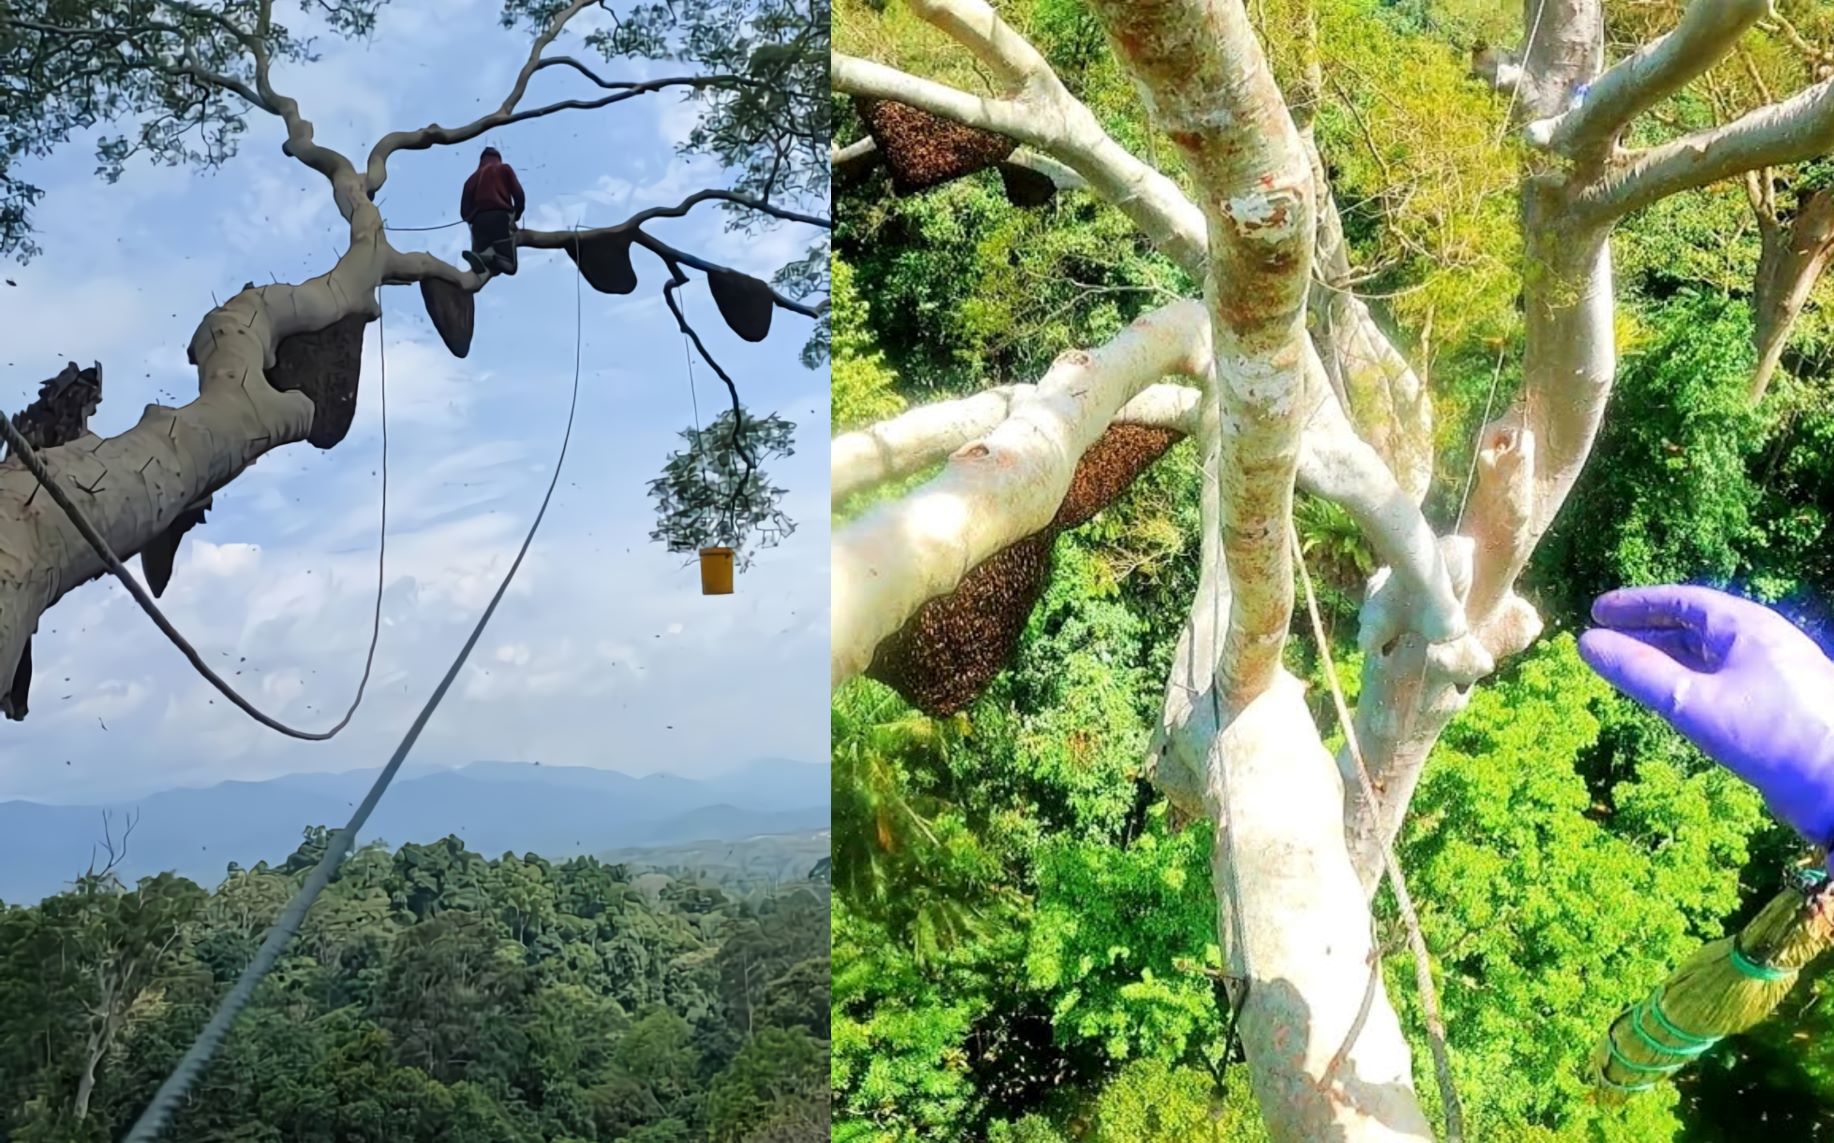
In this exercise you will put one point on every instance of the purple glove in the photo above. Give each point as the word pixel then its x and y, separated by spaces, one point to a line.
pixel 1738 680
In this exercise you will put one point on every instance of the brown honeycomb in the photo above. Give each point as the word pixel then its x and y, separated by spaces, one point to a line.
pixel 947 653
pixel 324 365
pixel 453 312
pixel 924 150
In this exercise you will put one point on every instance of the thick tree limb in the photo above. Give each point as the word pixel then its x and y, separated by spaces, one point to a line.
pixel 1792 259
pixel 1338 465
pixel 1044 115
pixel 913 441
pixel 1795 130
pixel 1706 33
pixel 415 266
pixel 998 489
pixel 1304 924
pixel 1334 463
pixel 1201 69
pixel 136 485
pixel 1411 690
pixel 1293 918
pixel 926 435
pixel 1325 1050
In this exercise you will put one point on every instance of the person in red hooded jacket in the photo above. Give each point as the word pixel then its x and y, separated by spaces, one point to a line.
pixel 492 203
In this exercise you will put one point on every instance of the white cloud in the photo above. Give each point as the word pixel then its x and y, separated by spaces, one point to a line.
pixel 603 652
pixel 277 207
pixel 222 560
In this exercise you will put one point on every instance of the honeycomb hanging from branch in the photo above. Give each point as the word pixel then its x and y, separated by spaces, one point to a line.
pixel 326 366
pixel 924 150
pixel 947 653
pixel 61 412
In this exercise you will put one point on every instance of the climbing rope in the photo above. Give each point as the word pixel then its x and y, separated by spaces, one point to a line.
pixel 35 464
pixel 1219 625
pixel 159 1113
pixel 687 352
pixel 1477 449
pixel 1515 89
pixel 1404 902
pixel 700 454
pixel 678 308
pixel 441 226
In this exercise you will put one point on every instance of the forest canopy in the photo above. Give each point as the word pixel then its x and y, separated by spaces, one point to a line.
pixel 432 995
pixel 1026 934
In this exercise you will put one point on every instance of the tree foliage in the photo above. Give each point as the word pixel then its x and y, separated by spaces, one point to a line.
pixel 433 995
pixel 1025 937
pixel 716 490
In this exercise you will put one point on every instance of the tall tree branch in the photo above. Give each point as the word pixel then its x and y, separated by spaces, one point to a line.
pixel 998 489
pixel 1046 116
pixel 1706 33
pixel 1793 131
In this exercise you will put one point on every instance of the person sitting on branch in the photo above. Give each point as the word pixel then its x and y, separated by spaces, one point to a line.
pixel 492 204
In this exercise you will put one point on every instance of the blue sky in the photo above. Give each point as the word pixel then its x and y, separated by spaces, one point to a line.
pixel 605 653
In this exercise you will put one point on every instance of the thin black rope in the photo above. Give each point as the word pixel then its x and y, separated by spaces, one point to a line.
pixel 441 226
pixel 155 1118
pixel 36 466
pixel 700 453
pixel 738 413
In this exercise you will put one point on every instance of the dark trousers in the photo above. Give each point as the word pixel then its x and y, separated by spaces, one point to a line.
pixel 493 237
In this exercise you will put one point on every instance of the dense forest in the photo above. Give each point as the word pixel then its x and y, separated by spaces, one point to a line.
pixel 432 995
pixel 1026 944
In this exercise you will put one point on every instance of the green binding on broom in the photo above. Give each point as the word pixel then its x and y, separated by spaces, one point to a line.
pixel 1725 988
pixel 1755 971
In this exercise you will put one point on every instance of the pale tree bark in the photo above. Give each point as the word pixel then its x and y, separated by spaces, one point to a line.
pixel 1300 849
pixel 138 487
pixel 1794 253
pixel 997 489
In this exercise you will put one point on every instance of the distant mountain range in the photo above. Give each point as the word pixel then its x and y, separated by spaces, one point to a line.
pixel 556 811
pixel 766 859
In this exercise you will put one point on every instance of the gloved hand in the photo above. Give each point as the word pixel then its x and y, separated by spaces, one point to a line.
pixel 1738 680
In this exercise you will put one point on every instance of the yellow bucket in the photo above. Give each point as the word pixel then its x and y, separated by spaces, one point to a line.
pixel 716 571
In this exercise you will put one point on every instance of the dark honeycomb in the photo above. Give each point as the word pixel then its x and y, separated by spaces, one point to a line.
pixel 324 365
pixel 156 558
pixel 59 415
pixel 1026 187
pixel 604 261
pixel 924 150
pixel 61 412
pixel 947 653
pixel 453 312
pixel 744 302
pixel 1109 468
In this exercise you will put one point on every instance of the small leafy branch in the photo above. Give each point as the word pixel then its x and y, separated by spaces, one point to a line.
pixel 704 498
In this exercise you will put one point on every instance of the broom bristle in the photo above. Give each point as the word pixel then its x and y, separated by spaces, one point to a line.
pixel 1725 988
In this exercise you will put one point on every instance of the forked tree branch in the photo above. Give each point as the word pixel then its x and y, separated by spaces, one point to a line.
pixel 998 489
pixel 1706 33
pixel 1793 131
pixel 1043 114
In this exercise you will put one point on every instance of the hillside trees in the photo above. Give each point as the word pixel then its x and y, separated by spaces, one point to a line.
pixel 276 364
pixel 606 1018
pixel 1297 385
